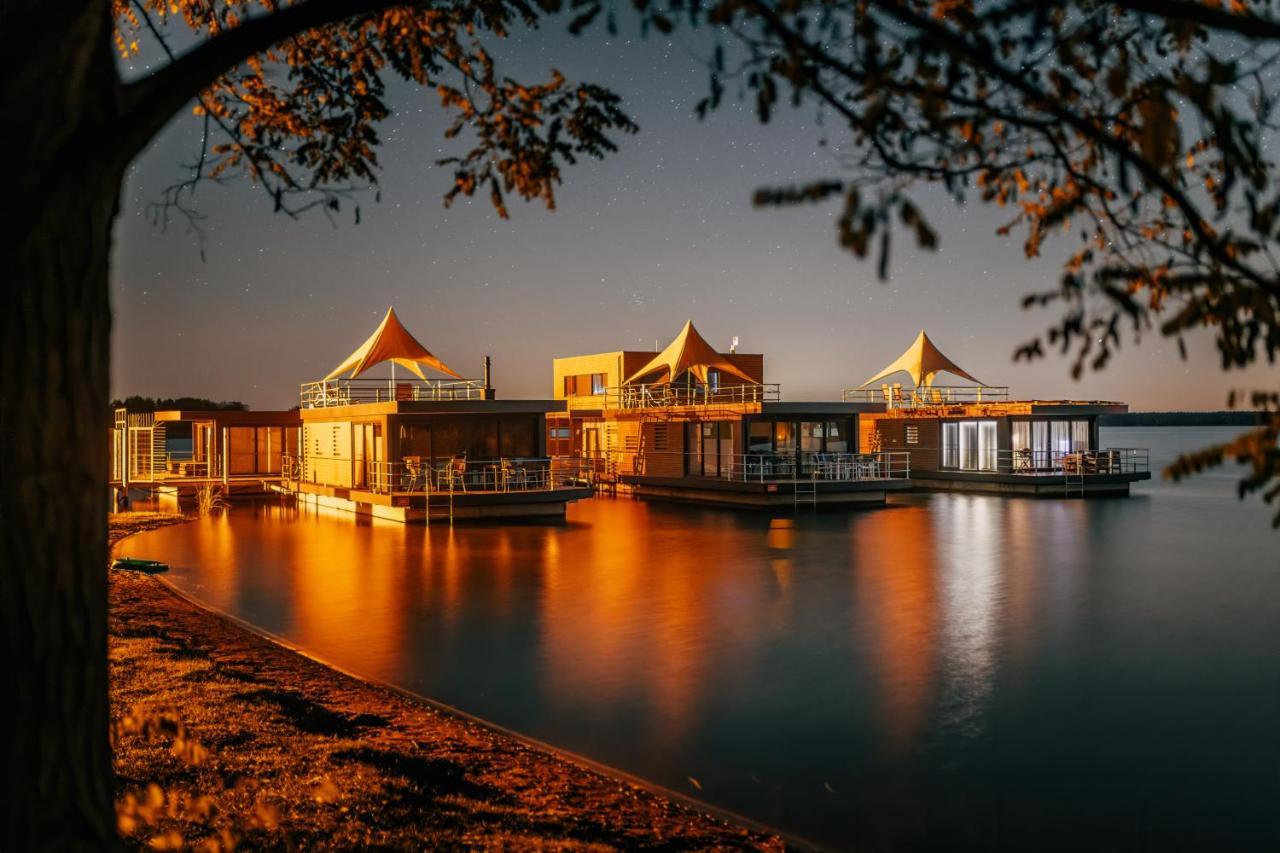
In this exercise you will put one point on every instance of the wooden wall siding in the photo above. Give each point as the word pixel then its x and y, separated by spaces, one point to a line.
pixel 664 450
pixel 327 448
pixel 925 455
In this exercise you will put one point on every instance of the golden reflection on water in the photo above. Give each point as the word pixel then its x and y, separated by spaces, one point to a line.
pixel 635 627
pixel 896 603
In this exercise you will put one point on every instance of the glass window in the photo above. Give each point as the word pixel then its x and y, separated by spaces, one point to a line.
pixel 950 445
pixel 760 438
pixel 1060 437
pixel 517 436
pixel 242 449
pixel 987 451
pixel 598 381
pixel 811 436
pixel 415 440
pixel 784 434
pixel 1080 435
pixel 1040 448
pixel 1021 437
pixel 710 440
pixel 836 440
pixel 969 445
pixel 693 440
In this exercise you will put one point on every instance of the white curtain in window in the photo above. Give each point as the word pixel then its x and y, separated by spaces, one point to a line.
pixel 1080 435
pixel 1040 443
pixel 1021 435
pixel 1060 436
pixel 969 445
pixel 950 445
pixel 987 445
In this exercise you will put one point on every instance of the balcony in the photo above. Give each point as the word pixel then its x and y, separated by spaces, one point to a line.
pixel 419 477
pixel 1040 463
pixel 347 392
pixel 780 467
pixel 667 395
pixel 897 397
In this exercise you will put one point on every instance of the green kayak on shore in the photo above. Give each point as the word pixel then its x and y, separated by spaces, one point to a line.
pixel 133 564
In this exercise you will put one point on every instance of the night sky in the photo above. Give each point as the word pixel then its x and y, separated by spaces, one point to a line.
pixel 660 232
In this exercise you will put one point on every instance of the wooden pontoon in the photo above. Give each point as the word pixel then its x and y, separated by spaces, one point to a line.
pixel 974 438
pixel 239 453
pixel 425 448
pixel 695 425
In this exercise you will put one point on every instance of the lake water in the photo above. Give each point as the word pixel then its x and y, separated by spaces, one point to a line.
pixel 948 672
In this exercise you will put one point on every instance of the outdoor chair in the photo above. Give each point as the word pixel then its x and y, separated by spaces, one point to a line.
pixel 457 473
pixel 1022 461
pixel 514 475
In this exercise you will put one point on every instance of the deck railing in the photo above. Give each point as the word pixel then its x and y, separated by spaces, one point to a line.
pixel 1111 460
pixel 346 392
pixel 656 396
pixel 775 467
pixel 415 476
pixel 897 397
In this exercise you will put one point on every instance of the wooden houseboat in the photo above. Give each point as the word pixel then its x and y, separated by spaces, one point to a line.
pixel 975 438
pixel 170 455
pixel 416 449
pixel 693 424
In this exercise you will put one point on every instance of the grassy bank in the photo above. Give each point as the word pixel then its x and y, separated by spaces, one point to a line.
pixel 226 739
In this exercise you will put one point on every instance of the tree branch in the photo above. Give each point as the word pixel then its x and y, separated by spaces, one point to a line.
pixel 1249 26
pixel 150 102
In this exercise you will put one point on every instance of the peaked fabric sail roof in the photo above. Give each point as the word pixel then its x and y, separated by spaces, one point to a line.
pixel 923 361
pixel 688 352
pixel 392 342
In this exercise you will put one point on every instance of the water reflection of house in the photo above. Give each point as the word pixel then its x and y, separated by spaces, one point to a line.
pixel 973 437
pixel 690 423
pixel 408 449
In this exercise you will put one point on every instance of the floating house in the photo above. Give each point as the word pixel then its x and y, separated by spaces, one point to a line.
pixel 975 438
pixel 693 424
pixel 411 449
pixel 171 454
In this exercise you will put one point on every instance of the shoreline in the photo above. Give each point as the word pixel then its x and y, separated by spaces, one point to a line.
pixel 316 756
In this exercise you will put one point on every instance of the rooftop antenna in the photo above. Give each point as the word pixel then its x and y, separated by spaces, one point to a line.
pixel 733 347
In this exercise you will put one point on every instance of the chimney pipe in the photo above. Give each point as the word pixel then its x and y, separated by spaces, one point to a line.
pixel 488 388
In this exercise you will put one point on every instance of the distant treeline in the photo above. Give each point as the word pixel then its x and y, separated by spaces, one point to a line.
pixel 1181 419
pixel 163 404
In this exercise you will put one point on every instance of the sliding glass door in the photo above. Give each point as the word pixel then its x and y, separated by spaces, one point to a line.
pixel 969 445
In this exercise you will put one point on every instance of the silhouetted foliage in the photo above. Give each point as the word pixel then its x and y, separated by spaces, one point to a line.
pixel 136 403
pixel 1138 129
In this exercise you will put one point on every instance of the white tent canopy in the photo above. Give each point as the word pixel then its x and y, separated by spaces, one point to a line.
pixel 688 353
pixel 923 361
pixel 391 342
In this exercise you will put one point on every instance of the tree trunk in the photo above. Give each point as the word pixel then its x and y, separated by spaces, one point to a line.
pixel 54 418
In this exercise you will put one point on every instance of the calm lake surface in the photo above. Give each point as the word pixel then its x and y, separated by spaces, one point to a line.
pixel 949 672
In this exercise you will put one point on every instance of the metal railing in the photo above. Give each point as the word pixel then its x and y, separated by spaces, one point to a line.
pixel 413 476
pixel 1111 460
pixel 184 464
pixel 346 392
pixel 775 467
pixel 655 396
pixel 896 397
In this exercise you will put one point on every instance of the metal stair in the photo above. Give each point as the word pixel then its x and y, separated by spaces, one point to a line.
pixel 805 492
